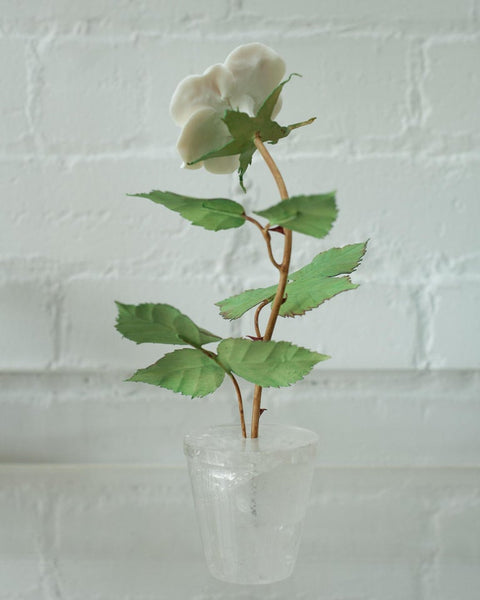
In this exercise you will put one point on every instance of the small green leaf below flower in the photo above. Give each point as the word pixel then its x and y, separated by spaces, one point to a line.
pixel 213 214
pixel 243 128
pixel 245 161
pixel 188 371
pixel 312 215
pixel 160 324
pixel 268 364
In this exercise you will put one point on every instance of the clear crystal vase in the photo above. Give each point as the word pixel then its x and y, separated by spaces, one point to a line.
pixel 251 496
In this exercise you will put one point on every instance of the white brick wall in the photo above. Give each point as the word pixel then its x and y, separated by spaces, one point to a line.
pixel 94 502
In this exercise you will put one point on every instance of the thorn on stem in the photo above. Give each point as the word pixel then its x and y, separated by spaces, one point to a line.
pixel 278 229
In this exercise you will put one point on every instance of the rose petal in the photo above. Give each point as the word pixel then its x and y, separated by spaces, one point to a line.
pixel 205 132
pixel 222 165
pixel 257 70
pixel 249 74
pixel 201 91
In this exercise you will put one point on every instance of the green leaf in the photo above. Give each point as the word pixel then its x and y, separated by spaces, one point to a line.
pixel 311 285
pixel 307 288
pixel 336 261
pixel 213 214
pixel 160 324
pixel 308 293
pixel 242 142
pixel 230 149
pixel 241 125
pixel 312 215
pixel 266 110
pixel 272 131
pixel 245 161
pixel 301 124
pixel 236 306
pixel 188 371
pixel 269 364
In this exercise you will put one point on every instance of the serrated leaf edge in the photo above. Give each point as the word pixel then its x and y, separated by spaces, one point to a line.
pixel 226 372
pixel 276 343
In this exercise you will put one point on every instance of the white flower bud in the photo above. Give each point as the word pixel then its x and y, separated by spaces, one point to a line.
pixel 250 73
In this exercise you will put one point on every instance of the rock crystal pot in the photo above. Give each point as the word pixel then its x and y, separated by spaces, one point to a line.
pixel 251 496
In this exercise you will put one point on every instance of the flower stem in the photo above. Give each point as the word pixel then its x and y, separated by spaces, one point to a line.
pixel 214 357
pixel 266 236
pixel 257 315
pixel 283 269
pixel 240 404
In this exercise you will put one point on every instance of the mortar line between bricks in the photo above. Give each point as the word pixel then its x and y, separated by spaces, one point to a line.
pixel 102 374
pixel 8 466
pixel 302 29
pixel 450 278
pixel 357 154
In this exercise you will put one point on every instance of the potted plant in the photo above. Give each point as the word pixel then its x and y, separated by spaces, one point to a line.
pixel 250 488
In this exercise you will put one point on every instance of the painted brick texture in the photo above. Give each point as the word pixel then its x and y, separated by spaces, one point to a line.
pixel 83 122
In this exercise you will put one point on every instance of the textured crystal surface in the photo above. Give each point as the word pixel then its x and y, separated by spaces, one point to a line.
pixel 251 497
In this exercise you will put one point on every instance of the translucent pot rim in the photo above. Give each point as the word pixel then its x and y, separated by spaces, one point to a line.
pixel 223 444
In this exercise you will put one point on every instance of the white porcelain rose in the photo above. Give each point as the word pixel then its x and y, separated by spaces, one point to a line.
pixel 243 82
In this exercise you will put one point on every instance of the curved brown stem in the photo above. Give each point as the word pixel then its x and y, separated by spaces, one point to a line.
pixel 272 166
pixel 283 268
pixel 266 236
pixel 254 221
pixel 257 314
pixel 282 284
pixel 214 357
pixel 240 404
